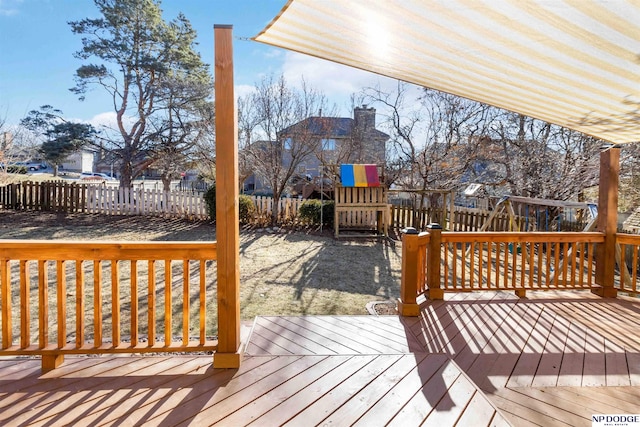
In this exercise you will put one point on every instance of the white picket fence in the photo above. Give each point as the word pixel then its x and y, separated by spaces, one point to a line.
pixel 287 208
pixel 139 201
pixel 100 198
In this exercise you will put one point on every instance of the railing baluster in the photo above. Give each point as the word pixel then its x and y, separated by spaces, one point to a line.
pixel 531 264
pixel 590 264
pixel 523 268
pixel 556 263
pixel 134 303
pixel 472 267
pixel 514 263
pixel 151 310
pixel 497 257
pixel 574 256
pixel 5 291
pixel 167 303
pixel 61 298
pixel 505 265
pixel 97 303
pixel 203 301
pixel 454 262
pixel 43 304
pixel 490 281
pixel 565 262
pixel 115 303
pixel 445 247
pixel 185 303
pixel 25 306
pixel 79 304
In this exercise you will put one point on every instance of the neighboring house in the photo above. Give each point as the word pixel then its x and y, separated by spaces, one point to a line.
pixel 335 140
pixel 338 140
pixel 80 161
pixel 108 162
pixel 253 183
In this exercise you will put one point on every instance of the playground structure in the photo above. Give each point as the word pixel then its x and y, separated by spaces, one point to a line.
pixel 361 204
pixel 542 214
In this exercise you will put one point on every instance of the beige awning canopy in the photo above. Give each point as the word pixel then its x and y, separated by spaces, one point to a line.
pixel 575 63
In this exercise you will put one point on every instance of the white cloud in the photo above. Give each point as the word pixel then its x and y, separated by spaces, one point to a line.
pixel 9 7
pixel 108 119
pixel 338 82
pixel 244 90
pixel 108 122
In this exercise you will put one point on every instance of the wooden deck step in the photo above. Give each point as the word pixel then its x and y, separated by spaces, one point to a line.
pixel 307 335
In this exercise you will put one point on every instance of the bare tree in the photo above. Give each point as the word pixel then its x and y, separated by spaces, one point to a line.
pixel 434 135
pixel 248 121
pixel 630 177
pixel 282 137
pixel 544 160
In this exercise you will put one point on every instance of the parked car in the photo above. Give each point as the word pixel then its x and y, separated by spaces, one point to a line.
pixel 30 166
pixel 96 176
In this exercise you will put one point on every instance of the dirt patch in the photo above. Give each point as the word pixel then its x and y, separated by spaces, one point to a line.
pixel 283 271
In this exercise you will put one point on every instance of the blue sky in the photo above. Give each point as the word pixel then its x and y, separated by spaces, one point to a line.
pixel 37 64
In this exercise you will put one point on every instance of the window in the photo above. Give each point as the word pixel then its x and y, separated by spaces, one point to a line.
pixel 328 144
pixel 288 143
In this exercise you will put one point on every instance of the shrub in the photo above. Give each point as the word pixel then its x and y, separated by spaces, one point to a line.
pixel 210 200
pixel 247 208
pixel 310 212
pixel 17 169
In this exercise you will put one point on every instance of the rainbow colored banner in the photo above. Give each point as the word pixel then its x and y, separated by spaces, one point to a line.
pixel 359 176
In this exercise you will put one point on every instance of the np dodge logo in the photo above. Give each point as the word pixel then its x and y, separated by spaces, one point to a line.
pixel 616 420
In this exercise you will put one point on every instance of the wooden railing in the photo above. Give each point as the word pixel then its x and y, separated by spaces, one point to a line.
pixel 61 298
pixel 627 279
pixel 518 261
pixel 437 262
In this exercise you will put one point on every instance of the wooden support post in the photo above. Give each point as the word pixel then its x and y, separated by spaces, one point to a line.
pixel 433 262
pixel 51 361
pixel 410 274
pixel 228 354
pixel 607 222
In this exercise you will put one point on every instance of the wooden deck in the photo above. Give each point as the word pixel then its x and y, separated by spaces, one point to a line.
pixel 473 359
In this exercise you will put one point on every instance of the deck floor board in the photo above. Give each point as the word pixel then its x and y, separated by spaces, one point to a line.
pixel 486 358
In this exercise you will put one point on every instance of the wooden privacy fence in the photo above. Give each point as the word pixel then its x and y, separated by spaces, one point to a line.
pixel 57 196
pixel 61 298
pixel 469 219
pixel 464 219
pixel 73 197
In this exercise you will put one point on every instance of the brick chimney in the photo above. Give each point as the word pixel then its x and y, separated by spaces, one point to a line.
pixel 364 118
